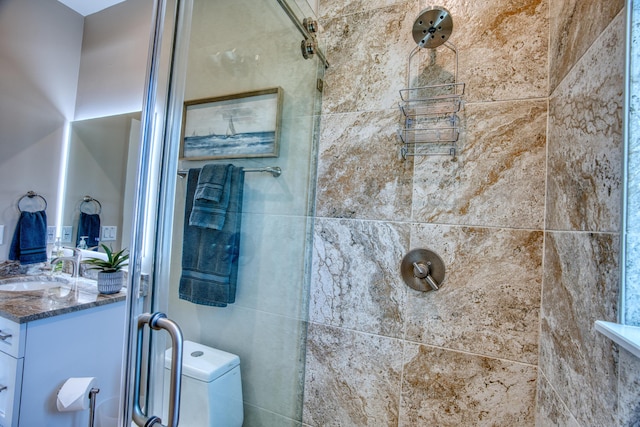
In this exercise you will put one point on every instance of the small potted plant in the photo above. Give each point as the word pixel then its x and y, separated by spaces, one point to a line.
pixel 110 271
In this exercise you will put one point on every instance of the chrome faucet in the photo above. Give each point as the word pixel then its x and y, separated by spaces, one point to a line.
pixel 75 260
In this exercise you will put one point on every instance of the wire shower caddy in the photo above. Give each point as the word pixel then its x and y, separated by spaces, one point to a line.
pixel 430 123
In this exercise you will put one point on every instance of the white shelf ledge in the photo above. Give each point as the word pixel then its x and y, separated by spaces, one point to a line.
pixel 628 337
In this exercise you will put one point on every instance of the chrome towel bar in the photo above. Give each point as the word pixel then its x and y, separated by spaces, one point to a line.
pixel 276 171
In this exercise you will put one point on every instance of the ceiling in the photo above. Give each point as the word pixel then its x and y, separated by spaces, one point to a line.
pixel 84 7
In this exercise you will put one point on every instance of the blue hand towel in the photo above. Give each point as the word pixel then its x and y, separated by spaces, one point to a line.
pixel 211 197
pixel 210 256
pixel 89 225
pixel 29 244
pixel 213 182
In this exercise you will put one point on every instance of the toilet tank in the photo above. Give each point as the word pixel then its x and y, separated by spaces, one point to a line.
pixel 211 387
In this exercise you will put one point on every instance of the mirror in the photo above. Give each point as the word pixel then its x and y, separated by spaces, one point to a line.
pixel 103 140
pixel 103 155
pixel 73 67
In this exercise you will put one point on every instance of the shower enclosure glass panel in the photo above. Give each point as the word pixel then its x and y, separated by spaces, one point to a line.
pixel 238 46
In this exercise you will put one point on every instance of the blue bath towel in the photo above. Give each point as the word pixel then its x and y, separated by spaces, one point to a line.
pixel 29 244
pixel 211 197
pixel 210 256
pixel 89 225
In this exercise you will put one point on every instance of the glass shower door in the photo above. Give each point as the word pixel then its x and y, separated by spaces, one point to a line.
pixel 222 51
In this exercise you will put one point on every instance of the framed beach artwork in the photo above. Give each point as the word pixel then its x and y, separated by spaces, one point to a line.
pixel 232 126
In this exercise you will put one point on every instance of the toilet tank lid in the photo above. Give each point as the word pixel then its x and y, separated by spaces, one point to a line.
pixel 203 363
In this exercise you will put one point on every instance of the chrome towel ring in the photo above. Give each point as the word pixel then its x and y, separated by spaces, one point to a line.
pixel 30 196
pixel 87 203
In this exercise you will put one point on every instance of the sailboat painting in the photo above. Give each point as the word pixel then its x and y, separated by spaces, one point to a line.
pixel 232 126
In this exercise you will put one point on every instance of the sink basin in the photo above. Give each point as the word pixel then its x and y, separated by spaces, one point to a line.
pixel 30 285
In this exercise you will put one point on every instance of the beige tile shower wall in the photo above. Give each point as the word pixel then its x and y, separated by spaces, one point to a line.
pixel 380 353
pixel 574 26
pixel 584 378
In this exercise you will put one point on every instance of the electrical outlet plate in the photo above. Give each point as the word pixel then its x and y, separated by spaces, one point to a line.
pixel 67 230
pixel 51 234
pixel 1 234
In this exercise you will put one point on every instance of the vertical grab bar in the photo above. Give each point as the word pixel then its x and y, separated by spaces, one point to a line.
pixel 159 321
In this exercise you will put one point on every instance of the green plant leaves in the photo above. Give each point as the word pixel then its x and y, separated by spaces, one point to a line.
pixel 115 260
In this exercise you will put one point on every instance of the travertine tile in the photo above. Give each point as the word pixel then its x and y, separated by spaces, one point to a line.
pixel 573 29
pixel 580 286
pixel 490 299
pixel 499 177
pixel 356 282
pixel 360 173
pixel 489 304
pixel 502 52
pixel 367 52
pixel 551 411
pixel 499 56
pixel 352 379
pixel 629 389
pixel 585 139
pixel 446 388
pixel 333 8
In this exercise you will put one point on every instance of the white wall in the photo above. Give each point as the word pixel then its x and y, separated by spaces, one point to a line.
pixel 114 60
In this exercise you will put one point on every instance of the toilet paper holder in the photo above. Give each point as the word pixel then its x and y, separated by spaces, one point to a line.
pixel 72 397
pixel 92 405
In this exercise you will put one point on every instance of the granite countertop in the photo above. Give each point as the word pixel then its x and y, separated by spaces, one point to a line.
pixel 27 306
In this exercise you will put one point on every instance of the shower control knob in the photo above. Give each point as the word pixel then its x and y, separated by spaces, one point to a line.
pixel 422 270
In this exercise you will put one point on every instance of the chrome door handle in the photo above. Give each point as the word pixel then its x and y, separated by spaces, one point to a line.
pixel 157 321
pixel 4 336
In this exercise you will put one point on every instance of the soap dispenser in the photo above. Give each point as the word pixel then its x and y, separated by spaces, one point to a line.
pixel 57 248
pixel 83 242
pixel 57 253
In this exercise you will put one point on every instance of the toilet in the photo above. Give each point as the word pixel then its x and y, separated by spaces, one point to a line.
pixel 211 393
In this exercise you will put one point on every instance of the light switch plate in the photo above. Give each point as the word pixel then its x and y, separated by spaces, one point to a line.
pixel 109 233
pixel 1 234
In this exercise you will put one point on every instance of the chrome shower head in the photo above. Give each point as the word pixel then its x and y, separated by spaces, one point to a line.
pixel 432 27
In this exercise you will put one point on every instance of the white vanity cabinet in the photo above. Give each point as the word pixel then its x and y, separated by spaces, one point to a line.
pixel 11 360
pixel 40 355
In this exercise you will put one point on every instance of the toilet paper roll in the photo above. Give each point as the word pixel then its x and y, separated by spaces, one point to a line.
pixel 74 394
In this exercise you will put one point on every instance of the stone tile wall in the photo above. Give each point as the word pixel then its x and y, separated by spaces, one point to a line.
pixel 379 352
pixel 528 228
pixel 584 379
